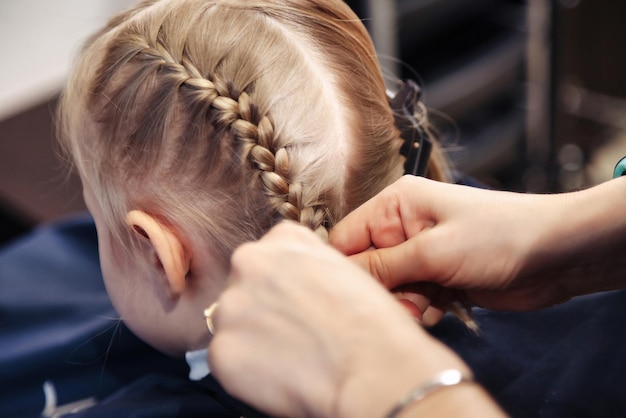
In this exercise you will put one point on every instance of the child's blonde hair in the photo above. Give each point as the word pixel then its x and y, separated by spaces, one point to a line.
pixel 225 116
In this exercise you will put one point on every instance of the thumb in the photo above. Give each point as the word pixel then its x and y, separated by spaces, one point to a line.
pixel 404 263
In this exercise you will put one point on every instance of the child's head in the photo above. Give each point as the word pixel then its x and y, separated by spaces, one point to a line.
pixel 196 125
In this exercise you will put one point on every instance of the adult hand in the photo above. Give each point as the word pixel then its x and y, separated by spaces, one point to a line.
pixel 506 251
pixel 302 331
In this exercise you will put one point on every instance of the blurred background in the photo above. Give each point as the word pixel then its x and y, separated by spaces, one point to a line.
pixel 527 95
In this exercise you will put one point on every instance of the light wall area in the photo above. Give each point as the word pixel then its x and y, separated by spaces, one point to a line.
pixel 38 39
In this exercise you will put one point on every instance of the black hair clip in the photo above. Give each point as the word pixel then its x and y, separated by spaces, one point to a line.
pixel 417 145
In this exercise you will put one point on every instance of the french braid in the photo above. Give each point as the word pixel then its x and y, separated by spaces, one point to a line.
pixel 226 116
pixel 254 134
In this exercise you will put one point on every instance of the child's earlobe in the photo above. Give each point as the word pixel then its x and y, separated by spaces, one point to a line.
pixel 171 256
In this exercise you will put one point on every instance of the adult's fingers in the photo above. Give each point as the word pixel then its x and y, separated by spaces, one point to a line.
pixel 408 262
pixel 438 307
pixel 417 297
pixel 399 212
pixel 377 223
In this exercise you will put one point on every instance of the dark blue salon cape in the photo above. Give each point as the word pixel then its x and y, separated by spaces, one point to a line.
pixel 58 331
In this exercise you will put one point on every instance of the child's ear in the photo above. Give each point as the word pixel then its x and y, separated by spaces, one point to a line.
pixel 167 246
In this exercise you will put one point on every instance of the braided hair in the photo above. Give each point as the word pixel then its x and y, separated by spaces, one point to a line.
pixel 227 116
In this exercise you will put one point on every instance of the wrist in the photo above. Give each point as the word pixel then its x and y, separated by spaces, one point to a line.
pixel 383 380
pixel 447 379
pixel 466 400
pixel 582 239
pixel 600 261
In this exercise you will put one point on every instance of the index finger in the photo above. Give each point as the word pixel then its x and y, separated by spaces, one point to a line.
pixel 376 223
